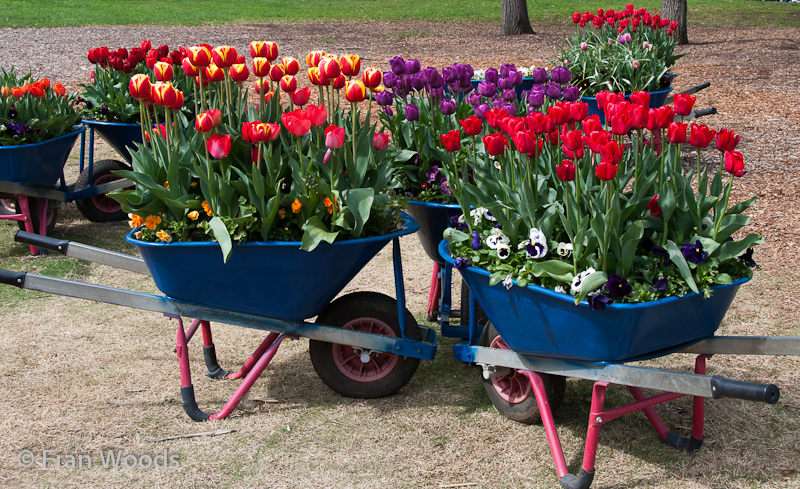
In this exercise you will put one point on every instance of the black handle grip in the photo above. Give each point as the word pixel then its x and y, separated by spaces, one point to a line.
pixel 40 241
pixel 16 279
pixel 702 112
pixel 696 88
pixel 749 391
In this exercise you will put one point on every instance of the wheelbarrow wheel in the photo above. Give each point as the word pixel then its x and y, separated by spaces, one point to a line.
pixel 101 207
pixel 342 367
pixel 33 204
pixel 465 312
pixel 512 395
pixel 7 204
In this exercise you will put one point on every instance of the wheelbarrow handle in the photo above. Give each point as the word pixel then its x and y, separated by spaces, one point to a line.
pixel 17 279
pixel 748 391
pixel 695 88
pixel 46 242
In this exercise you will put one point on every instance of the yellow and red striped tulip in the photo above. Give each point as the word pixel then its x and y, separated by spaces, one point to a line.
pixel 329 68
pixel 290 65
pixel 163 71
pixel 213 73
pixel 258 49
pixel 276 72
pixel 372 78
pixel 288 83
pixel 272 51
pixel 239 72
pixel 351 64
pixel 164 94
pixel 355 91
pixel 313 58
pixel 261 66
pixel 140 87
pixel 179 100
pixel 316 78
pixel 258 86
pixel 338 83
pixel 224 56
pixel 188 68
pixel 199 56
pixel 204 122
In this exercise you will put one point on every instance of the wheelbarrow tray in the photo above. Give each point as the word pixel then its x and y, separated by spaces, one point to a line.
pixel 537 321
pixel 274 278
pixel 120 136
pixel 38 163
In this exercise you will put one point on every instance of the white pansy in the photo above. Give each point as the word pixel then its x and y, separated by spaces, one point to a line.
pixel 462 219
pixel 575 287
pixel 478 214
pixel 560 289
pixel 536 250
pixel 537 236
pixel 496 240
pixel 507 283
pixel 564 249
pixel 497 164
pixel 503 251
pixel 523 244
pixel 708 222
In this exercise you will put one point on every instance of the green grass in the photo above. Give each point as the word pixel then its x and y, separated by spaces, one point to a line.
pixel 58 13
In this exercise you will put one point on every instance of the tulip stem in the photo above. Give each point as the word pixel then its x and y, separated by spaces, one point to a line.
pixel 724 207
pixel 261 98
pixel 354 116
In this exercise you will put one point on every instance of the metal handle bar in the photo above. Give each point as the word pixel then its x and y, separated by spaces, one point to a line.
pixel 84 252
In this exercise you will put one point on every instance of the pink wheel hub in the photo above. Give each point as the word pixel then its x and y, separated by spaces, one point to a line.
pixel 103 202
pixel 349 360
pixel 512 388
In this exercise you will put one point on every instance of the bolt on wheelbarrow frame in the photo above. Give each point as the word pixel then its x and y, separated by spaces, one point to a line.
pixel 365 342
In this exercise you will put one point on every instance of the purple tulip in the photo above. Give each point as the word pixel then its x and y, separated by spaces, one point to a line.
pixel 553 91
pixel 416 82
pixel 450 74
pixel 505 84
pixel 435 79
pixel 510 108
pixel 618 287
pixel 388 111
pixel 448 106
pixel 398 65
pixel 473 98
pixel 437 93
pixel 412 112
pixel 536 96
pixel 487 89
pixel 515 77
pixel 413 66
pixel 480 109
pixel 509 95
pixel 384 98
pixel 539 76
pixel 491 76
pixel 505 68
pixel 561 75
pixel 389 79
pixel 571 93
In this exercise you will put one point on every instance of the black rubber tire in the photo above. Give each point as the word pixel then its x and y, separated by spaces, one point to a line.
pixel 7 204
pixel 52 215
pixel 465 312
pixel 350 308
pixel 526 411
pixel 101 208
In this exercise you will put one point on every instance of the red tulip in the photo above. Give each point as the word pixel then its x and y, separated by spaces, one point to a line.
pixel 700 135
pixel 611 151
pixel 179 99
pixel 276 72
pixel 300 97
pixel 380 141
pixel 653 207
pixel 606 170
pixel 734 163
pixel 290 65
pixel 272 51
pixel 239 72
pixel 511 125
pixel 355 91
pixel 258 49
pixel 558 115
pixel 261 67
pixel 726 140
pixel 641 98
pixel 495 143
pixel 224 56
pixel 164 94
pixel 683 103
pixel 329 68
pixel 288 83
pixel 526 142
pixel 372 77
pixel 317 114
pixel 676 132
pixel 256 132
pixel 639 116
pixel 566 170
pixel 572 139
pixel 605 97
pixel 213 73
pixel 660 118
pixel 591 124
pixel 351 64
pixel 537 122
pixel 494 116
pixel 595 140
pixel 163 71
pixel 577 111
pixel 188 68
pixel 218 146
pixel 339 82
pixel 451 140
pixel 140 87
pixel 334 136
pixel 296 122
pixel 472 125
pixel 200 56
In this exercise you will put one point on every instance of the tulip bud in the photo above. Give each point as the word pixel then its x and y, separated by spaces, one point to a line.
pixel 140 87
pixel 5 91
pixel 272 51
pixel 339 82
pixel 224 56
pixel 276 72
pixel 300 97
pixel 380 141
pixel 355 91
pixel 258 49
pixel 179 100
pixel 163 71
pixel 261 66
pixel 199 56
pixel 288 83
pixel 258 87
pixel 164 94
pixel 329 68
pixel 204 122
pixel 313 58
pixel 189 69
pixel 351 64
pixel 372 77
pixel 213 73
pixel 290 65
pixel 239 72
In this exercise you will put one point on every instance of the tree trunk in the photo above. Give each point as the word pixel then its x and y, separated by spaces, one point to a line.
pixel 676 10
pixel 515 17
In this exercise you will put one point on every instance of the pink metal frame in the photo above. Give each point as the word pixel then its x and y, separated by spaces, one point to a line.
pixel 250 371
pixel 435 291
pixel 24 215
pixel 598 416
